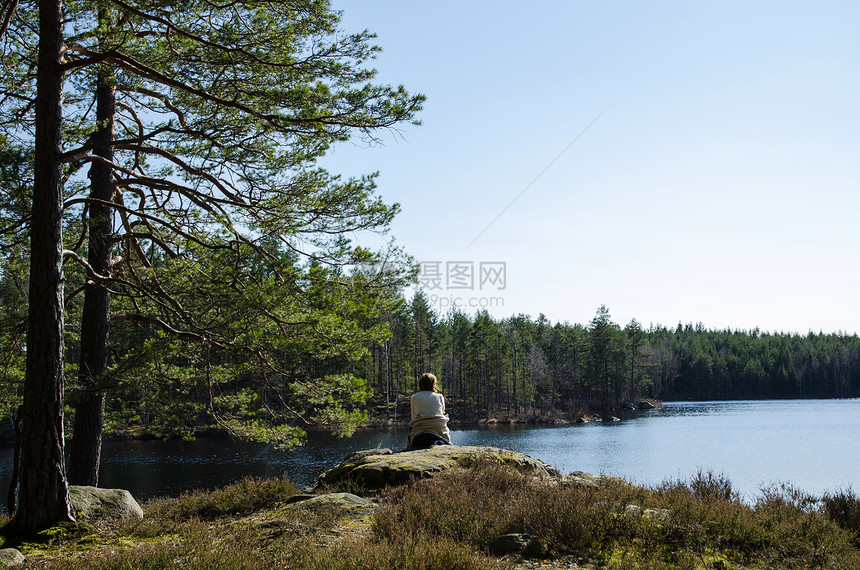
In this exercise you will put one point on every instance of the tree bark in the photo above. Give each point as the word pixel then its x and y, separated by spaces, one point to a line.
pixel 86 446
pixel 43 498
pixel 12 497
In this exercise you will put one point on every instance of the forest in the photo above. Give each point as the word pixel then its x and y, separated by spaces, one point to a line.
pixel 522 366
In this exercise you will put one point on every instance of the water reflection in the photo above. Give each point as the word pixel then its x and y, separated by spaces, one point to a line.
pixel 159 468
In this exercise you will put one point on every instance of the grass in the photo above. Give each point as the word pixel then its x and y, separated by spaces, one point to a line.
pixel 447 522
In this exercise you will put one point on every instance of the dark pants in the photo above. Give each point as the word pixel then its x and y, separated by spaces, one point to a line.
pixel 427 439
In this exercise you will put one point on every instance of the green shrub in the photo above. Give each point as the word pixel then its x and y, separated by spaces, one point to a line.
pixel 244 497
pixel 698 524
pixel 843 508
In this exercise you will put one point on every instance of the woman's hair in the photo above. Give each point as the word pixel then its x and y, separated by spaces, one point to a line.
pixel 427 382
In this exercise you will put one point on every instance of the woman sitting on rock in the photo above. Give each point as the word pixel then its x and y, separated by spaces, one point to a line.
pixel 429 425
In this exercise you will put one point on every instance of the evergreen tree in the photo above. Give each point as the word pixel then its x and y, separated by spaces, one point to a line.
pixel 221 111
pixel 635 339
pixel 603 355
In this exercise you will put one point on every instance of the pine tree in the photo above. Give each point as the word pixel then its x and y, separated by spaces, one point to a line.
pixel 220 114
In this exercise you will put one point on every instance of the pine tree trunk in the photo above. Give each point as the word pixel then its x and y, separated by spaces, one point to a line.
pixel 43 498
pixel 85 454
pixel 95 319
pixel 86 445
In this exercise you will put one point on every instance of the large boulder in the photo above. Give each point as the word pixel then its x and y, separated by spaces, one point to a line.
pixel 93 502
pixel 376 468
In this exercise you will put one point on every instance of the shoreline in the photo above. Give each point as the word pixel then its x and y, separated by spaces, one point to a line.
pixel 459 420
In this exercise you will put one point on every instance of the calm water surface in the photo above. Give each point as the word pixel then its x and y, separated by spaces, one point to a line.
pixel 812 444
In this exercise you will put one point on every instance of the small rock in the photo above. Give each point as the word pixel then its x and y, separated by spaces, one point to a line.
pixel 580 479
pixel 352 505
pixel 518 543
pixel 583 479
pixel 663 514
pixel 11 558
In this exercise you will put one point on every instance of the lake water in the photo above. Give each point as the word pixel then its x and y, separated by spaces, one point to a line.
pixel 811 444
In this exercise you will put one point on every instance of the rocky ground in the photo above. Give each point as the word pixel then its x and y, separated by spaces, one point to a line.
pixel 365 472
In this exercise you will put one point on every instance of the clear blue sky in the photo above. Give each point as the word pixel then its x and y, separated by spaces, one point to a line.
pixel 720 184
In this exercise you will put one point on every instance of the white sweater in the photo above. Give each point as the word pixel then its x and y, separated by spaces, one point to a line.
pixel 428 415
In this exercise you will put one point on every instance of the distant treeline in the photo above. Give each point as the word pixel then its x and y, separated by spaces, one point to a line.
pixel 521 365
pixel 517 367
